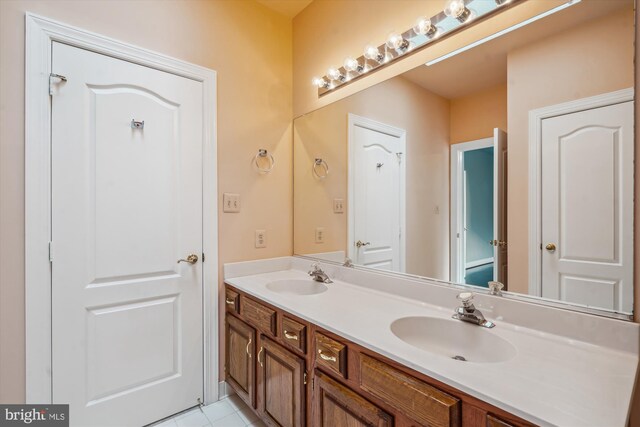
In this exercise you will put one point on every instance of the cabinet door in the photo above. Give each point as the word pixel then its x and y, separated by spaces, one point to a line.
pixel 241 340
pixel 281 389
pixel 334 405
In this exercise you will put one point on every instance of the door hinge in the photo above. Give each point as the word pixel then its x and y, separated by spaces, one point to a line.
pixel 55 78
pixel 202 256
pixel 50 251
pixel 313 383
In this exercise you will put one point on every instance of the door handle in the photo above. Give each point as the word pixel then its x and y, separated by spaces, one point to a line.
pixel 360 243
pixel 191 259
pixel 550 247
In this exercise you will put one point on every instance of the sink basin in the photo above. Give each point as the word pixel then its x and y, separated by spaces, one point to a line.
pixel 297 287
pixel 455 339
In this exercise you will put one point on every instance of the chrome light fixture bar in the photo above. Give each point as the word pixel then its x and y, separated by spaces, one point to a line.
pixel 455 15
pixel 503 32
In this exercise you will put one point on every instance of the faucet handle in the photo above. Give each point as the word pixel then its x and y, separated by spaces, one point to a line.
pixel 315 267
pixel 465 298
pixel 495 288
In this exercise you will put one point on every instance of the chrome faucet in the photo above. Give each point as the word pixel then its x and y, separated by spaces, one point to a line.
pixel 318 275
pixel 468 313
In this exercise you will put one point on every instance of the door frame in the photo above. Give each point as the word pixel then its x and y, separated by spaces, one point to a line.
pixel 40 34
pixel 535 170
pixel 353 121
pixel 457 192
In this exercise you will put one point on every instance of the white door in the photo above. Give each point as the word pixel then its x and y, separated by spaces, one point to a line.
pixel 126 205
pixel 587 207
pixel 499 205
pixel 377 194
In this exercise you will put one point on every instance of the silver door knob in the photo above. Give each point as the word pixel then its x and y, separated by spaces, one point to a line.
pixel 191 259
pixel 360 243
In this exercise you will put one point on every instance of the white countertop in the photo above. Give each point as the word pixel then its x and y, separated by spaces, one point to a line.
pixel 553 380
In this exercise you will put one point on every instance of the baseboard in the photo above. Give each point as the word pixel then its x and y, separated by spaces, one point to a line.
pixel 224 390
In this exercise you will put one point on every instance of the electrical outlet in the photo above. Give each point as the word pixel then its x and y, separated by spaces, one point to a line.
pixel 261 238
pixel 320 235
pixel 231 202
pixel 338 205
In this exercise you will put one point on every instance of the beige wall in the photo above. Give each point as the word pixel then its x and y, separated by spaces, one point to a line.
pixel 589 60
pixel 323 133
pixel 475 116
pixel 250 48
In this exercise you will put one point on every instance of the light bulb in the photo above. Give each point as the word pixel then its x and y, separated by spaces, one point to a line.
pixel 456 9
pixel 320 82
pixel 372 52
pixel 335 74
pixel 396 41
pixel 351 64
pixel 425 27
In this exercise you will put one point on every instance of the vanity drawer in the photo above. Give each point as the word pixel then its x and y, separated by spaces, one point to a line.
pixel 331 354
pixel 259 315
pixel 416 399
pixel 294 333
pixel 492 421
pixel 232 301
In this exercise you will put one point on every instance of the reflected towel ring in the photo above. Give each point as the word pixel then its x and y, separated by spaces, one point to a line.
pixel 262 153
pixel 320 169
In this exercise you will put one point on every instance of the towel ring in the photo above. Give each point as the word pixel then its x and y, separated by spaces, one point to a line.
pixel 262 153
pixel 320 169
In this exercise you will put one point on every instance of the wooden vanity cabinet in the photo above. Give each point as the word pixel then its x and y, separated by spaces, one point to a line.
pixel 298 374
pixel 281 383
pixel 240 350
pixel 334 405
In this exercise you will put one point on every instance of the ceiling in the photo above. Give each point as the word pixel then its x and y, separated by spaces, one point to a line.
pixel 289 8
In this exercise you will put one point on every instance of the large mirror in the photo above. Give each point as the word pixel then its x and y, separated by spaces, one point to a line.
pixel 512 161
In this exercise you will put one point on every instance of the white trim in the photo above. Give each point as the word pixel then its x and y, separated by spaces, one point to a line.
pixel 478 262
pixel 457 266
pixel 40 34
pixel 535 167
pixel 353 121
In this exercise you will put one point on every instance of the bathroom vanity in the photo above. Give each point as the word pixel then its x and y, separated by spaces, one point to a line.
pixel 300 352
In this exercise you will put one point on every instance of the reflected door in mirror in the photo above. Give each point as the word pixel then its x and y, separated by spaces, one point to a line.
pixel 377 193
pixel 587 207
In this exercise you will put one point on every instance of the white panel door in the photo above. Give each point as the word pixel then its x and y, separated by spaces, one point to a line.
pixel 378 188
pixel 587 207
pixel 500 205
pixel 126 205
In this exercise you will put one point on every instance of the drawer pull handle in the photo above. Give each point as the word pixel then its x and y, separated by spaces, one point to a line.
pixel 326 357
pixel 260 361
pixel 290 335
pixel 230 301
pixel 248 344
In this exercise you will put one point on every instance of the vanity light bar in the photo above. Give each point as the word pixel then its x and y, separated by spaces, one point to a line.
pixel 502 32
pixel 455 15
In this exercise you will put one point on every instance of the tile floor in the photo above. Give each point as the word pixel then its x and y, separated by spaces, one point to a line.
pixel 228 412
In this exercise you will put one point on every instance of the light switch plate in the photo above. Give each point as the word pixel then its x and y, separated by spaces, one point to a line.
pixel 231 202
pixel 261 238
pixel 320 235
pixel 338 205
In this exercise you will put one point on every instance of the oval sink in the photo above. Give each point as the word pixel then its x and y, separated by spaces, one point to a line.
pixel 297 287
pixel 454 339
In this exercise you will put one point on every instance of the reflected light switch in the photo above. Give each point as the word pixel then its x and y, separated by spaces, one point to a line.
pixel 231 202
pixel 338 205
